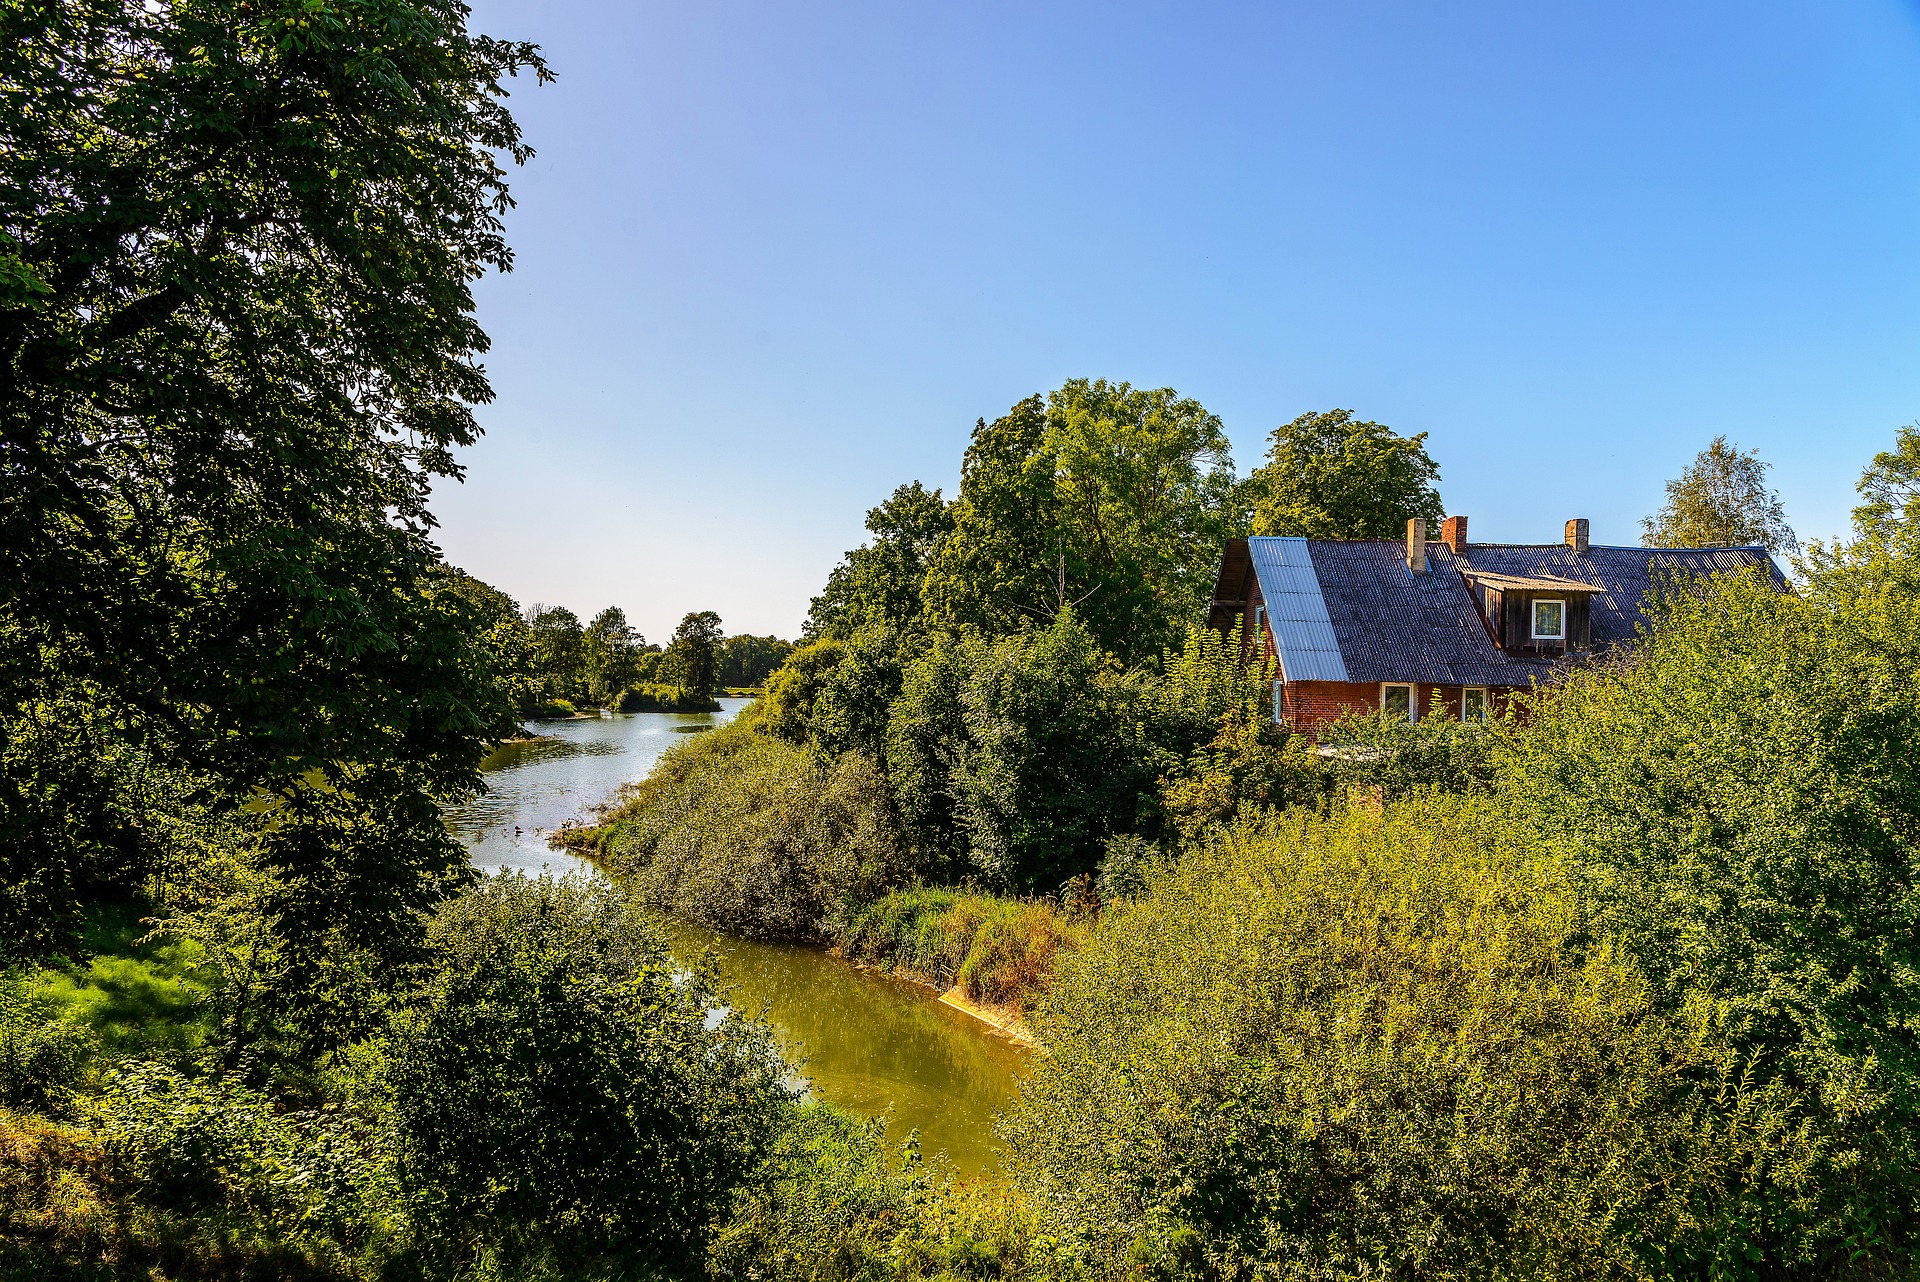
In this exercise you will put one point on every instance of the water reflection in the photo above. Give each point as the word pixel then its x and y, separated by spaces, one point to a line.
pixel 868 1043
pixel 539 784
pixel 873 1044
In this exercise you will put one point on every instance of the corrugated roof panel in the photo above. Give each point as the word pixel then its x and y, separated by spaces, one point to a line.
pixel 1296 612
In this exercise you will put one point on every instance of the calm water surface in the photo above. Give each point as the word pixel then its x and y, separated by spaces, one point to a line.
pixel 867 1042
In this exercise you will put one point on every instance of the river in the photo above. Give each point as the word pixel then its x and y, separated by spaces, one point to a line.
pixel 865 1041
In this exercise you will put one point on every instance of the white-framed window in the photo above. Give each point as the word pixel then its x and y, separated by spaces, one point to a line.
pixel 1279 688
pixel 1549 620
pixel 1473 703
pixel 1396 700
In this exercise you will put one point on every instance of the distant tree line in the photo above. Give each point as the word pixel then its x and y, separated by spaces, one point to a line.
pixel 553 663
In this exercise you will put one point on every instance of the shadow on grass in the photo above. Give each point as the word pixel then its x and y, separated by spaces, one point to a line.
pixel 136 998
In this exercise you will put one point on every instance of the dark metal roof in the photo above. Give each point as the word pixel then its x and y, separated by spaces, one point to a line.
pixel 1627 576
pixel 1392 625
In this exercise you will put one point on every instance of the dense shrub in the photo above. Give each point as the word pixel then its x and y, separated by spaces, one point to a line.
pixel 1378 758
pixel 995 950
pixel 748 833
pixel 654 697
pixel 828 1206
pixel 1250 764
pixel 71 1211
pixel 850 712
pixel 40 1059
pixel 1360 1046
pixel 561 1086
pixel 194 1144
pixel 1741 800
pixel 786 710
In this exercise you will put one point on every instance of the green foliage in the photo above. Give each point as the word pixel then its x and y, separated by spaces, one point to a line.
pixel 747 661
pixel 1741 801
pixel 178 1179
pixel 41 1059
pixel 1059 757
pixel 1329 477
pixel 878 584
pixel 557 643
pixel 996 950
pixel 850 711
pixel 1362 1046
pixel 1721 500
pixel 1100 496
pixel 793 690
pixel 747 833
pixel 560 1086
pixel 240 349
pixel 1377 757
pixel 503 640
pixel 1250 764
pixel 609 651
pixel 827 1206
pixel 659 698
pixel 1889 513
pixel 138 993
pixel 927 738
pixel 692 662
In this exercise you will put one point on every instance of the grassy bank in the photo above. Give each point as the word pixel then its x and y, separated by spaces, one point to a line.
pixel 996 951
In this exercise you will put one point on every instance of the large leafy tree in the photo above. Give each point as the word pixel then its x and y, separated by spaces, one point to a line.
pixel 1889 508
pixel 878 584
pixel 1103 497
pixel 1721 500
pixel 610 651
pixel 237 243
pixel 693 660
pixel 1328 476
pixel 748 660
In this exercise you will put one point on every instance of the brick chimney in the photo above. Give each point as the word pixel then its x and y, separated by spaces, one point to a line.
pixel 1417 544
pixel 1453 533
pixel 1577 534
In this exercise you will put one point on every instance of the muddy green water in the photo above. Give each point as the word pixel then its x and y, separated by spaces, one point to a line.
pixel 867 1042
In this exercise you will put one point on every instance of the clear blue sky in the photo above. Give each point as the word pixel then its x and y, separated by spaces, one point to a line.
pixel 775 259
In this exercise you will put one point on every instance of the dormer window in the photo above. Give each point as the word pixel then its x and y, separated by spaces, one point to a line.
pixel 1549 620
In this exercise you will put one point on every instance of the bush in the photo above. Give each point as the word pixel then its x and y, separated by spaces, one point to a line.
pixel 203 1146
pixel 654 697
pixel 40 1059
pixel 1250 765
pixel 1381 758
pixel 561 1088
pixel 748 833
pixel 1740 800
pixel 786 710
pixel 1379 1046
pixel 827 1206
pixel 995 950
pixel 552 710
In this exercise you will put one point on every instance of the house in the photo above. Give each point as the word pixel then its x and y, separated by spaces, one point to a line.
pixel 1447 628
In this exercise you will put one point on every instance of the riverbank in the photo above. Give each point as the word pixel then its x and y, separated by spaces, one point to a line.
pixel 751 836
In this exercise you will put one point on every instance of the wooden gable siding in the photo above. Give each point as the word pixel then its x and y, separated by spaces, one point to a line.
pixel 1514 631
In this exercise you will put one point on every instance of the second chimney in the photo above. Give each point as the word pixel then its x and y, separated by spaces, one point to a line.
pixel 1577 534
pixel 1417 544
pixel 1453 533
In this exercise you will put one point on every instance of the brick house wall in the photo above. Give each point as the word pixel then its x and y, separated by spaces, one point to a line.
pixel 1306 704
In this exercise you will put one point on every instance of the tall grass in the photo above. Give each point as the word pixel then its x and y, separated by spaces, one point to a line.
pixel 994 950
